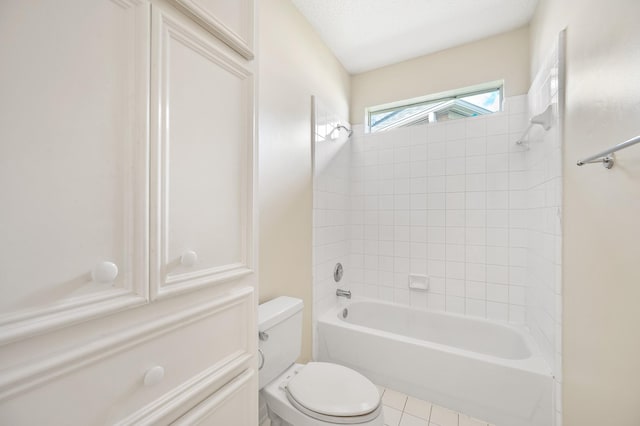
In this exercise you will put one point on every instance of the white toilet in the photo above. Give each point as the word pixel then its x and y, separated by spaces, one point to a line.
pixel 315 394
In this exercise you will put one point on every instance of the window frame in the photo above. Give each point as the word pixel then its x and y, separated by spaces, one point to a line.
pixel 435 98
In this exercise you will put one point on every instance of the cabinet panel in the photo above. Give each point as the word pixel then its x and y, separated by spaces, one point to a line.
pixel 233 405
pixel 199 349
pixel 230 21
pixel 203 160
pixel 73 177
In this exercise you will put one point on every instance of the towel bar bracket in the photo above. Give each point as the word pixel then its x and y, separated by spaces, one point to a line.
pixel 606 157
pixel 607 162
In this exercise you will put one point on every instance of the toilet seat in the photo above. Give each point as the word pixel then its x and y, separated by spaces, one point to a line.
pixel 333 393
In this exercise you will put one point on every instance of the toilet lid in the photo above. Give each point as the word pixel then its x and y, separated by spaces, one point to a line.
pixel 333 390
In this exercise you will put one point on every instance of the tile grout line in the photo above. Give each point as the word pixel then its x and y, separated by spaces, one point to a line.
pixel 406 399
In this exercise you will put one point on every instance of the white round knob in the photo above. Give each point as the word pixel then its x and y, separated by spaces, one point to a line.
pixel 104 272
pixel 189 258
pixel 153 376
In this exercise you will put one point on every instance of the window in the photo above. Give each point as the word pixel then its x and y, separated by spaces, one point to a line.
pixel 467 102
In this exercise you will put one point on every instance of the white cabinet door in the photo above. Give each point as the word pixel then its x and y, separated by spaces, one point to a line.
pixel 202 159
pixel 73 149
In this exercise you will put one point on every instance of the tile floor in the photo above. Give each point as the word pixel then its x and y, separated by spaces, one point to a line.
pixel 403 410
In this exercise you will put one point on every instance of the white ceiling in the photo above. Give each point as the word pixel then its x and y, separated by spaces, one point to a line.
pixel 368 34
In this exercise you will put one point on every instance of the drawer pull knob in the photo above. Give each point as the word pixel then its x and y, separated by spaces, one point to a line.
pixel 104 272
pixel 189 258
pixel 153 376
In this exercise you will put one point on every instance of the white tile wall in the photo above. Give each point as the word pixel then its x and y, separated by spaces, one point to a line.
pixel 436 200
pixel 544 198
pixel 331 208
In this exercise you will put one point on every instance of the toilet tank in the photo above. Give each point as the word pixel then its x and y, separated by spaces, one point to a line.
pixel 280 327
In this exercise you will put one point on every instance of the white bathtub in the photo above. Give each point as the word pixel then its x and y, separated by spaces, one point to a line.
pixel 486 369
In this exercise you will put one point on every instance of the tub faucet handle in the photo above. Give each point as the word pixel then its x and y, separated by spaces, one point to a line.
pixel 343 293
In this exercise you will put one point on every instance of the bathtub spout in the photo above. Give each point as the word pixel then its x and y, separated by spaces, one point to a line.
pixel 343 293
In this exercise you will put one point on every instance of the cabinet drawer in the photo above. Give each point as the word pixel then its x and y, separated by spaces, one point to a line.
pixel 229 406
pixel 103 382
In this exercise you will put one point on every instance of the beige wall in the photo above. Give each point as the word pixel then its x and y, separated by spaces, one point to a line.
pixel 293 65
pixel 505 56
pixel 601 254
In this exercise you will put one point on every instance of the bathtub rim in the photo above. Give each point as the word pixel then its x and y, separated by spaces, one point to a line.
pixel 535 363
